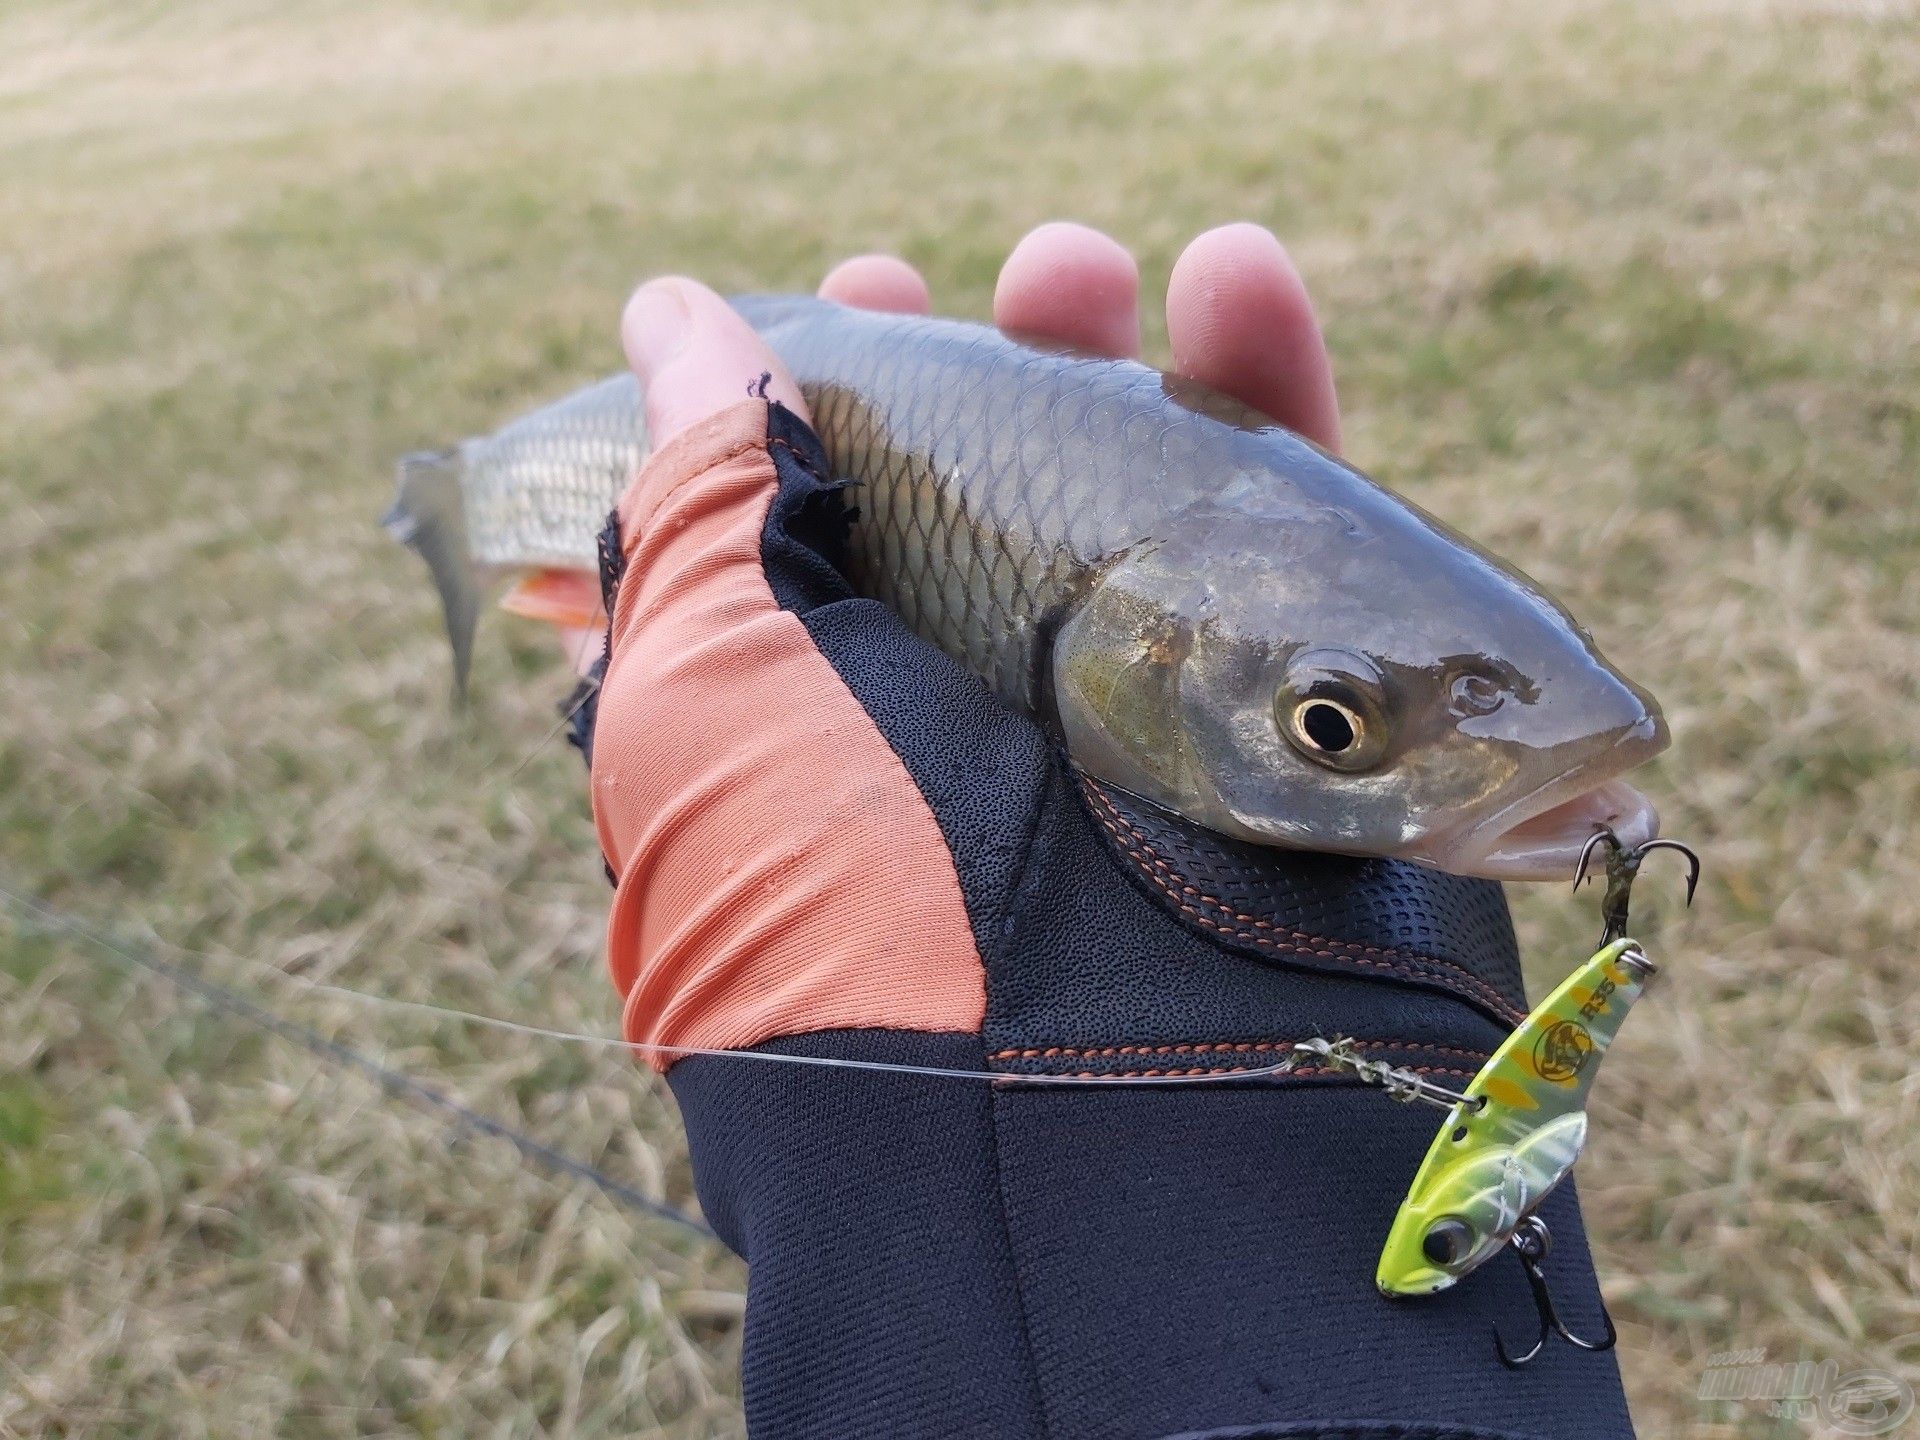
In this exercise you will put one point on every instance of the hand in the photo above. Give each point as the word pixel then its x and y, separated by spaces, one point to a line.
pixel 828 839
pixel 1238 319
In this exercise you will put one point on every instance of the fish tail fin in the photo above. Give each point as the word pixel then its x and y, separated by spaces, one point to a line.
pixel 429 518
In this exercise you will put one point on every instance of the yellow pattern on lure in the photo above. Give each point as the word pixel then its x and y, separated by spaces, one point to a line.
pixel 1517 1132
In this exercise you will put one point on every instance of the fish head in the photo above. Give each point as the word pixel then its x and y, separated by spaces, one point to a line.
pixel 1343 673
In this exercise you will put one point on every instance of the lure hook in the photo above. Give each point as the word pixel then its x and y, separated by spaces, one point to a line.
pixel 1623 865
pixel 1531 1241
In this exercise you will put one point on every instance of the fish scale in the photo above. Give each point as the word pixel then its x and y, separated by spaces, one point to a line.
pixel 966 525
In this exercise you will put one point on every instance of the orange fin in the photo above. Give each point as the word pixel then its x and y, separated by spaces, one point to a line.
pixel 570 598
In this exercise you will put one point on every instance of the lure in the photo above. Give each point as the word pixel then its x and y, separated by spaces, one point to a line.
pixel 1514 1133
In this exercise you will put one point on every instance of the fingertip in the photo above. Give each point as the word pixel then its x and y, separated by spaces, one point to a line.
pixel 694 356
pixel 1239 319
pixel 878 282
pixel 1073 285
pixel 655 325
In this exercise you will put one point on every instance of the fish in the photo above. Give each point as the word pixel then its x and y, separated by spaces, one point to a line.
pixel 1207 610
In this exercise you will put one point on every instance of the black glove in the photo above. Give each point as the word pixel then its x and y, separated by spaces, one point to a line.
pixel 938 1257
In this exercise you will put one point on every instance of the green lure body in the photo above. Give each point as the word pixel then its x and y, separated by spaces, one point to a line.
pixel 1516 1133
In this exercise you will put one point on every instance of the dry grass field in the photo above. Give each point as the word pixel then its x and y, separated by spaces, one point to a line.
pixel 1629 291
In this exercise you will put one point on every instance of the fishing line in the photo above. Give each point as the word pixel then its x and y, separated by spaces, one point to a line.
pixel 588 687
pixel 72 925
pixel 394 1082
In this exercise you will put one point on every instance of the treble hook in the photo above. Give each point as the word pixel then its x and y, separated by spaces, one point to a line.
pixel 1623 865
pixel 1531 1242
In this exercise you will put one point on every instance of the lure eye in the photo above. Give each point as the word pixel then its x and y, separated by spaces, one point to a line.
pixel 1447 1241
pixel 1332 709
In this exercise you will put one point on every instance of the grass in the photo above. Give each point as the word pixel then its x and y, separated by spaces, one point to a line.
pixel 1625 290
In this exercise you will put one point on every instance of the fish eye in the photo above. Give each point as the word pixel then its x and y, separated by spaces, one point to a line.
pixel 1325 728
pixel 1328 726
pixel 1332 711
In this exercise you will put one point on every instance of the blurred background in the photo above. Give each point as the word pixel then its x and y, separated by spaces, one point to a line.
pixel 1628 291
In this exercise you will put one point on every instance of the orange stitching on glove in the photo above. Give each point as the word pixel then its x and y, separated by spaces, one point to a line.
pixel 1168 881
pixel 1308 1072
pixel 1218 1047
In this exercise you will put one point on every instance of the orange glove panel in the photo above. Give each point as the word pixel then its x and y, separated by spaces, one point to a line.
pixel 778 871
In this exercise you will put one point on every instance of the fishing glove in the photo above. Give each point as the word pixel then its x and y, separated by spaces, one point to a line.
pixel 828 839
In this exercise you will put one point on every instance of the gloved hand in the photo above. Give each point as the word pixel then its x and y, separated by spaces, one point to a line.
pixel 829 839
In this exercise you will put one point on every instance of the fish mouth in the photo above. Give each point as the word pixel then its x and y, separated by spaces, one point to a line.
pixel 1540 836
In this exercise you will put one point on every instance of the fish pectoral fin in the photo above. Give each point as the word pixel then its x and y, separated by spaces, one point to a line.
pixel 568 598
